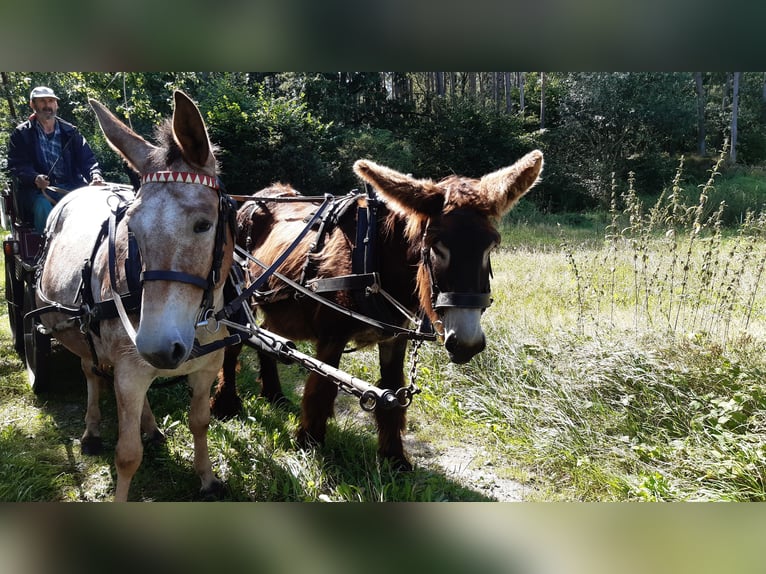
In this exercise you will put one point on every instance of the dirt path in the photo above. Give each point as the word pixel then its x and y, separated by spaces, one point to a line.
pixel 468 465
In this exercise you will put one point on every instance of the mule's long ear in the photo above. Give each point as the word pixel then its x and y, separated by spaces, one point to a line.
pixel 503 188
pixel 121 138
pixel 190 133
pixel 407 193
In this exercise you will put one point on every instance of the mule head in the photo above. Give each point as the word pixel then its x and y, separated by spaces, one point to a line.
pixel 176 219
pixel 454 224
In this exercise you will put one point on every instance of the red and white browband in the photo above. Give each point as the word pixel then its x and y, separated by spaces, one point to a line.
pixel 180 177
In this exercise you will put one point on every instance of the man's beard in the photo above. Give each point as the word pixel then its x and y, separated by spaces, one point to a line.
pixel 46 112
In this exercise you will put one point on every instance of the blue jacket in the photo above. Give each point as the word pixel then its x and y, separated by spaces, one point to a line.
pixel 25 159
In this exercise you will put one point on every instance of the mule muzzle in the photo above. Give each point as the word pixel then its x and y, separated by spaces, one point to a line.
pixel 163 354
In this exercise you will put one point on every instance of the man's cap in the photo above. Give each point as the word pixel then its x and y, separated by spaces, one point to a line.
pixel 42 92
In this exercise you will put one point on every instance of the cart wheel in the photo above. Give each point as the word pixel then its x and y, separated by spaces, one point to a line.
pixel 37 348
pixel 14 296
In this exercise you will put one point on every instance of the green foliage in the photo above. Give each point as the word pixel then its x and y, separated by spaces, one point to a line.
pixel 265 140
pixel 379 145
pixel 308 128
pixel 467 139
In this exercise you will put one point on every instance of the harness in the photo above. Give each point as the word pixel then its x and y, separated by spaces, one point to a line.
pixel 90 313
pixel 364 280
pixel 443 299
pixel 376 305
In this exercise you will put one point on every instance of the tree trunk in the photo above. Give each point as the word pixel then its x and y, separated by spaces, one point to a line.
pixel 725 92
pixel 542 100
pixel 734 114
pixel 11 108
pixel 700 113
pixel 472 84
pixel 439 81
pixel 507 81
pixel 521 92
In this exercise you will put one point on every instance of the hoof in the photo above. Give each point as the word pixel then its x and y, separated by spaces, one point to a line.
pixel 91 446
pixel 156 438
pixel 214 491
pixel 307 441
pixel 225 409
pixel 397 463
pixel 276 399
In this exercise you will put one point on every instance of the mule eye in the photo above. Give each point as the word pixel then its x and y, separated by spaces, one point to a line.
pixel 202 226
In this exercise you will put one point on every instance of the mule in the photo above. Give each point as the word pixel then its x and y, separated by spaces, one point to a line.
pixel 177 233
pixel 433 247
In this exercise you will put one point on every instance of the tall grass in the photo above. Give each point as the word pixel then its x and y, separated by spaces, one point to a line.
pixel 673 266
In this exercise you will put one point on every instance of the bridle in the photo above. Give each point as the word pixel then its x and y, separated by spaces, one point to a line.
pixel 226 218
pixel 449 299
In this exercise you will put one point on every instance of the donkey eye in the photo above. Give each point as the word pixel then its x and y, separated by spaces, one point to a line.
pixel 202 226
pixel 440 250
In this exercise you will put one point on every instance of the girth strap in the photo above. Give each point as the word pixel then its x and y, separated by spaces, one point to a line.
pixel 121 312
pixel 343 283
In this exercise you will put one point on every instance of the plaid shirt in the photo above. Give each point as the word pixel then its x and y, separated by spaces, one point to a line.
pixel 50 145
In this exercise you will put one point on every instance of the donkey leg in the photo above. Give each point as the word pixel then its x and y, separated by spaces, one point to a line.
pixel 319 396
pixel 199 421
pixel 90 442
pixel 225 402
pixel 271 388
pixel 391 422
pixel 130 393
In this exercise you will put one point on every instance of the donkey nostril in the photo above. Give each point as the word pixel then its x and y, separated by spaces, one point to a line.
pixel 450 342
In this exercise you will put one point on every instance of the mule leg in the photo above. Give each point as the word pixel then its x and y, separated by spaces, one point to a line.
pixel 199 420
pixel 149 424
pixel 391 422
pixel 271 388
pixel 130 394
pixel 90 442
pixel 225 402
pixel 319 396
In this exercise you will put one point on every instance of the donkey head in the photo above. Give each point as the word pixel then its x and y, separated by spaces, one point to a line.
pixel 175 219
pixel 454 223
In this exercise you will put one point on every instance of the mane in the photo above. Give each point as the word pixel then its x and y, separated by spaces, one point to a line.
pixel 464 192
pixel 167 153
pixel 459 193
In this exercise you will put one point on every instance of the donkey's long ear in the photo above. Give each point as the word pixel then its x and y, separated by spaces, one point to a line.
pixel 503 188
pixel 121 138
pixel 190 133
pixel 406 193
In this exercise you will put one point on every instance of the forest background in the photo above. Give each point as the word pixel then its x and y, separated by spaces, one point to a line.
pixel 307 129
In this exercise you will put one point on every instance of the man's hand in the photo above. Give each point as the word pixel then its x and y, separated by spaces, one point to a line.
pixel 42 181
pixel 97 180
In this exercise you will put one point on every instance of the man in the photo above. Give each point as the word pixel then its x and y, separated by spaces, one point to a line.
pixel 45 150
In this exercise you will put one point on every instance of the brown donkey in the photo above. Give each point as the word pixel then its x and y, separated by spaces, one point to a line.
pixel 431 251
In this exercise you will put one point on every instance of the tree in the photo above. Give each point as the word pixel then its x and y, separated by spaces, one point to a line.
pixel 700 113
pixel 734 116
pixel 542 100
